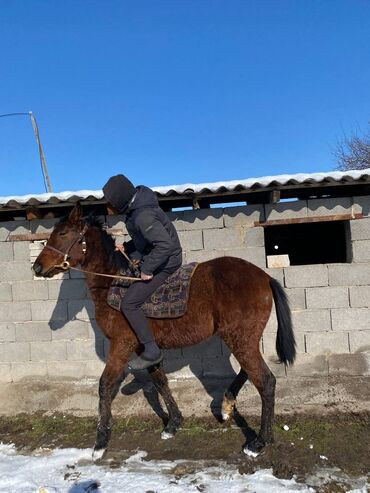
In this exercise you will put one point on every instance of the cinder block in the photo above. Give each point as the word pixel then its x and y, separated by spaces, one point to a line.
pixel 362 204
pixel 49 310
pixel 306 276
pixel 7 332
pixel 191 240
pixel 327 343
pixel 15 271
pixel 243 215
pixel 81 309
pixel 254 237
pixel 5 291
pixel 360 229
pixel 182 371
pixel 361 251
pixel 48 351
pixel 5 373
pixel 255 255
pixel 74 329
pixel 350 319
pixel 32 332
pixel 359 296
pixel 176 217
pixel 30 290
pixel 311 321
pixel 13 227
pixel 309 365
pixel 95 368
pixel 43 225
pixel 202 219
pixel 349 274
pixel 84 350
pixel 30 369
pixel 277 274
pixel 297 298
pixel 286 210
pixel 327 297
pixel 67 289
pixel 215 239
pixel 329 206
pixel 217 368
pixel 6 251
pixel 202 255
pixel 14 351
pixel 66 369
pixel 116 222
pixel 211 348
pixel 349 364
pixel 21 250
pixel 271 326
pixel 359 341
pixel 15 311
pixel 277 261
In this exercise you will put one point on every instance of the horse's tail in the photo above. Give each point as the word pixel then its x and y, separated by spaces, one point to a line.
pixel 285 342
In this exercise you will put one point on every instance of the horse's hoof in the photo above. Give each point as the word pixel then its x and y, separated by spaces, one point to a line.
pixel 98 454
pixel 165 435
pixel 250 453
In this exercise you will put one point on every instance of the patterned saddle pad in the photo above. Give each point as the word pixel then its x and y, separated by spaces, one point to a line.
pixel 168 301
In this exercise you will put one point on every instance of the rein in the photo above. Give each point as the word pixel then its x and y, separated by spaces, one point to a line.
pixel 65 264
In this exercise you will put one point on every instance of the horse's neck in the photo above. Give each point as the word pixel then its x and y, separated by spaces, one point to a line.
pixel 97 261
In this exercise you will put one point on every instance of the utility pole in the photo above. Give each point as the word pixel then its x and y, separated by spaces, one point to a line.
pixel 41 152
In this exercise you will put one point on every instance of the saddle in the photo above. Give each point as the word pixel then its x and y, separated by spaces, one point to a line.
pixel 168 301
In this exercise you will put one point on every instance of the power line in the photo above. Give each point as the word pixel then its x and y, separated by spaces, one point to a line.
pixel 44 168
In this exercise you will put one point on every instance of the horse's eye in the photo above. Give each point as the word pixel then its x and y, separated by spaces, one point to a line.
pixel 62 233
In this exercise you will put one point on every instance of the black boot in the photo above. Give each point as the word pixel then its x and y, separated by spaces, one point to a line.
pixel 151 356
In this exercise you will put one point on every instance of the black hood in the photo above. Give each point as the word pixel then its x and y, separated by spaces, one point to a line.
pixel 144 197
pixel 118 191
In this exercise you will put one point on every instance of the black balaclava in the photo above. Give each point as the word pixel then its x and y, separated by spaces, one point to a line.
pixel 118 191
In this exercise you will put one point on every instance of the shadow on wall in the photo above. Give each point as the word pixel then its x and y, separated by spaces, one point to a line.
pixel 208 361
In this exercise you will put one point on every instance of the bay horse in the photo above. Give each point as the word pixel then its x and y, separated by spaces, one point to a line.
pixel 228 296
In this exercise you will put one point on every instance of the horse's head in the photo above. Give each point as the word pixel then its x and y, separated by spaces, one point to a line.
pixel 66 246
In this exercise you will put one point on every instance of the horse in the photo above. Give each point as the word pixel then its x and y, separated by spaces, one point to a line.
pixel 228 296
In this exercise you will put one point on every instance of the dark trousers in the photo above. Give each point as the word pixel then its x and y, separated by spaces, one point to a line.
pixel 134 299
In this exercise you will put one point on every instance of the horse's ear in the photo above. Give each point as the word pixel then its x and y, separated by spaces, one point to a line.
pixel 76 213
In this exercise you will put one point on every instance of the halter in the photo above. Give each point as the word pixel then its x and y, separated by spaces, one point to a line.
pixel 65 265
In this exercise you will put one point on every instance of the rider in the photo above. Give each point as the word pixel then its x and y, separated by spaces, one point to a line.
pixel 155 244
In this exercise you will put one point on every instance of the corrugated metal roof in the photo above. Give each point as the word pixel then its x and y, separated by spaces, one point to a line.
pixel 190 189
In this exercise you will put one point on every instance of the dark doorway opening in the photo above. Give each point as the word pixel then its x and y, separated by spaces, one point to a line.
pixel 308 243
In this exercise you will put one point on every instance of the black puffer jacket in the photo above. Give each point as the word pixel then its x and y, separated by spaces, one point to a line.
pixel 154 237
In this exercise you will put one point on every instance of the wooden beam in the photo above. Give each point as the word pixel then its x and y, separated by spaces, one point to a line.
pixel 46 236
pixel 314 219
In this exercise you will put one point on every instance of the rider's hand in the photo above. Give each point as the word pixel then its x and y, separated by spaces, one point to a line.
pixel 146 277
pixel 120 248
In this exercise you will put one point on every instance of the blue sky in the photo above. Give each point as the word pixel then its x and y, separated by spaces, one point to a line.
pixel 176 91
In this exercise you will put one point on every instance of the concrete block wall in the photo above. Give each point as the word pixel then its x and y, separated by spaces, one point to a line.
pixel 48 330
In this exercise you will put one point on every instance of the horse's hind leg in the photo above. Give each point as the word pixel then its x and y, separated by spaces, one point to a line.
pixel 174 415
pixel 253 366
pixel 229 400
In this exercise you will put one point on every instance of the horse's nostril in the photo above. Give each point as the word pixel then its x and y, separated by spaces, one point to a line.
pixel 37 268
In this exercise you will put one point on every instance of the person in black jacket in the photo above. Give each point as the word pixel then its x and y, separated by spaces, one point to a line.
pixel 154 245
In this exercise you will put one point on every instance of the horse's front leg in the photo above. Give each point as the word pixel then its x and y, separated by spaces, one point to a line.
pixel 109 384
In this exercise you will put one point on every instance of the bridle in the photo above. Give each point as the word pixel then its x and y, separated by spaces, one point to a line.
pixel 65 264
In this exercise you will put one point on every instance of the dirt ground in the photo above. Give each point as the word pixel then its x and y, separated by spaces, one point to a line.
pixel 339 443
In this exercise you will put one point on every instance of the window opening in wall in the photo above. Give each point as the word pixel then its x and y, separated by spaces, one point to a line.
pixel 308 243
